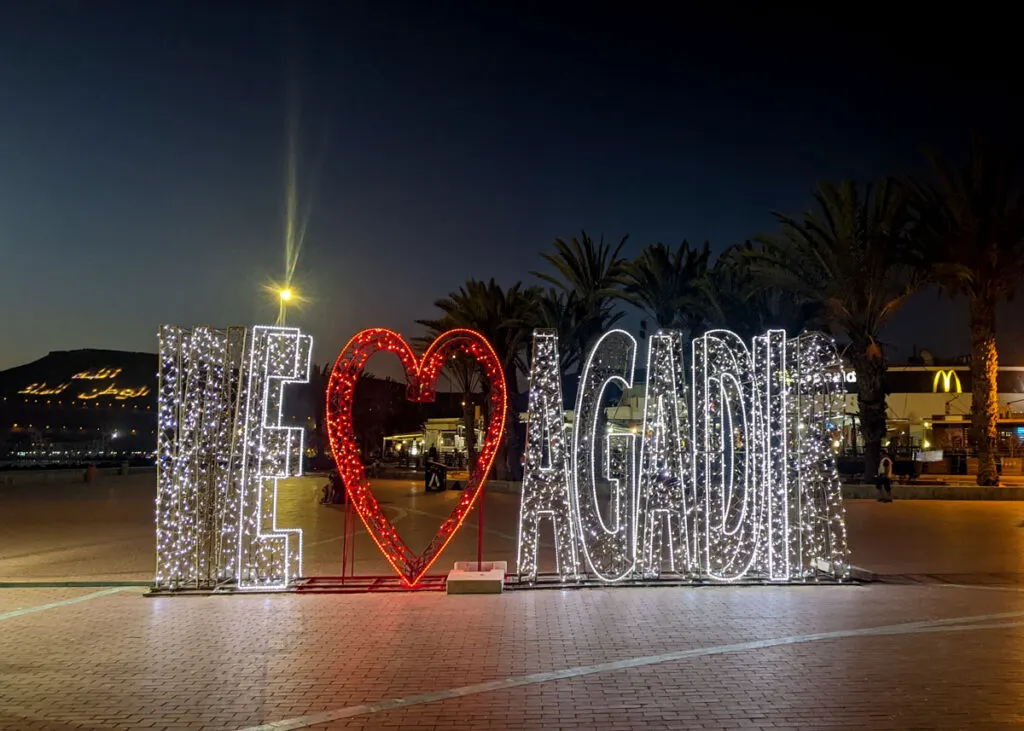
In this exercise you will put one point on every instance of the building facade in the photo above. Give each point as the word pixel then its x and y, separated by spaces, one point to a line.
pixel 928 407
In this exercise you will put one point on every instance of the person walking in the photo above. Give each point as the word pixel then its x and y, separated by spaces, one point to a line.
pixel 885 478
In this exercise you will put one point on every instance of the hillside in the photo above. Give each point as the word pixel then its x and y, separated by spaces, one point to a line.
pixel 82 377
pixel 80 397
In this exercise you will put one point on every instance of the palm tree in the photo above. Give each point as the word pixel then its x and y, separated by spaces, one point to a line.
pixel 971 239
pixel 495 313
pixel 501 316
pixel 737 300
pixel 576 324
pixel 670 286
pixel 589 275
pixel 848 258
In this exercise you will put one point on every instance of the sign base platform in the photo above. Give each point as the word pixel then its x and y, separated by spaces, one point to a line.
pixel 554 581
pixel 472 577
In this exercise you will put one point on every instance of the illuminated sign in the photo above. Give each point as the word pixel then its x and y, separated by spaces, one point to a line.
pixel 245 450
pixel 948 378
pixel 97 374
pixel 120 394
pixel 112 391
pixel 731 476
pixel 41 389
pixel 848 376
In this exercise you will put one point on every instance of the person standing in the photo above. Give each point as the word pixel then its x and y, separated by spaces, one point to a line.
pixel 885 478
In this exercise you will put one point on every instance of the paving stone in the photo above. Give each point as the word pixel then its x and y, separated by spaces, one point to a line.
pixel 120 660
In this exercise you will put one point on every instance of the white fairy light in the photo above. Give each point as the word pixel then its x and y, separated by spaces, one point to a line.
pixel 726 429
pixel 546 488
pixel 744 487
pixel 816 403
pixel 770 370
pixel 198 388
pixel 663 510
pixel 270 556
pixel 608 546
pixel 221 449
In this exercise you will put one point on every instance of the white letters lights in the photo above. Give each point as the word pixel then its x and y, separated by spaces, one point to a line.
pixel 732 475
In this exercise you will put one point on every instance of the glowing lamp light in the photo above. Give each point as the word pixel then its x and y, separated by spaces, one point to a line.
pixel 286 295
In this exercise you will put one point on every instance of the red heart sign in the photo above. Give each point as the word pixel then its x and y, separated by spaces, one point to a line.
pixel 421 376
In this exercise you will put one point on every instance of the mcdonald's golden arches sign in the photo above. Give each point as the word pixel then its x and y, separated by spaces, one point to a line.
pixel 949 380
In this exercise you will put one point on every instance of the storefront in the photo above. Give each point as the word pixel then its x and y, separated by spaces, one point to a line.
pixel 928 409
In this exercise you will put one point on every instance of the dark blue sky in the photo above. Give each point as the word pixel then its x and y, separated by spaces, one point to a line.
pixel 143 148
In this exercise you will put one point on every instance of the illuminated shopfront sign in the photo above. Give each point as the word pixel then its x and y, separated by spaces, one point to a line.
pixel 948 380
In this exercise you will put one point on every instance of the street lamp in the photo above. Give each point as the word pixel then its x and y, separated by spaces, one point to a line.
pixel 284 296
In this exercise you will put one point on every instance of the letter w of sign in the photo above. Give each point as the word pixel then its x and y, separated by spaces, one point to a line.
pixel 948 378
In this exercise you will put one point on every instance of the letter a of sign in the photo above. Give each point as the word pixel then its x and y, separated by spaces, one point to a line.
pixel 662 508
pixel 546 491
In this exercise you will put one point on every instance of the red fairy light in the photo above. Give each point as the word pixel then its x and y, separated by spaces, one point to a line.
pixel 421 378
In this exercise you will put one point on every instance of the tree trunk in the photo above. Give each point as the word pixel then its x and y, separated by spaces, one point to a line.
pixel 984 389
pixel 869 365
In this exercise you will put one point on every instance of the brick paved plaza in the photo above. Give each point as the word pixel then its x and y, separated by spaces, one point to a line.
pixel 938 643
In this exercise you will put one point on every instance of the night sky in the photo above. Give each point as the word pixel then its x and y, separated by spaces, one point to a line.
pixel 143 149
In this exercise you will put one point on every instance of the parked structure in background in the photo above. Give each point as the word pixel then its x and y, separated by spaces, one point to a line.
pixel 446 434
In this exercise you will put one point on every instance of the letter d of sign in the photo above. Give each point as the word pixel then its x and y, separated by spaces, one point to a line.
pixel 727 452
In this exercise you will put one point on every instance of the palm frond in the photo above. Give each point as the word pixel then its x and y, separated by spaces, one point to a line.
pixel 847 256
pixel 970 233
